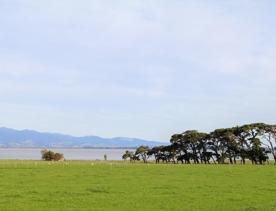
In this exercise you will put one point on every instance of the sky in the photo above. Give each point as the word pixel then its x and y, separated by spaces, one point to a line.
pixel 140 68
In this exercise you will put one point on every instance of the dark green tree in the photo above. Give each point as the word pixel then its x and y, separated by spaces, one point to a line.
pixel 142 153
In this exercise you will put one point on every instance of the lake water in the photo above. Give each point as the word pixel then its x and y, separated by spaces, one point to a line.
pixel 69 154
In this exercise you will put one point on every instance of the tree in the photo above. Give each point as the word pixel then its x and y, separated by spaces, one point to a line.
pixel 195 141
pixel 158 153
pixel 269 136
pixel 130 155
pixel 181 148
pixel 251 136
pixel 142 152
pixel 224 145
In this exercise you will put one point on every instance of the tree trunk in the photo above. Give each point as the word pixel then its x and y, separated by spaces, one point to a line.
pixel 230 159
pixel 272 151
pixel 243 160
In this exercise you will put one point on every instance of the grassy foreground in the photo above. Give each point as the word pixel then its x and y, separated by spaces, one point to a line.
pixel 72 185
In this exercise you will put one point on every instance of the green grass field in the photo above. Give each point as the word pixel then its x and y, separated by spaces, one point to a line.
pixel 72 185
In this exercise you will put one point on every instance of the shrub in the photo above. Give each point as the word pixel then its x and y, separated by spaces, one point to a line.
pixel 49 155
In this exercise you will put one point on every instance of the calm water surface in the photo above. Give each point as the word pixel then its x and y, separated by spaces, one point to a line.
pixel 69 154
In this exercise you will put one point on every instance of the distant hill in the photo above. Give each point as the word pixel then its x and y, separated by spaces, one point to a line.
pixel 30 138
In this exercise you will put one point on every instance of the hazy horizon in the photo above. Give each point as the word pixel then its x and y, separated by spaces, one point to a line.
pixel 141 69
pixel 77 136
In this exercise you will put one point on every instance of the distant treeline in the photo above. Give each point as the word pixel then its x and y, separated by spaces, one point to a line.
pixel 252 142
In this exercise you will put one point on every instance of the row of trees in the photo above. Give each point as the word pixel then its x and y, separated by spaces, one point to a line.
pixel 252 142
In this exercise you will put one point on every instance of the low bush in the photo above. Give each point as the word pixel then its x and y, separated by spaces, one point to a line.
pixel 51 156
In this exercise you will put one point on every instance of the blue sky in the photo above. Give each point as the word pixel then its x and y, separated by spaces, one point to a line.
pixel 144 69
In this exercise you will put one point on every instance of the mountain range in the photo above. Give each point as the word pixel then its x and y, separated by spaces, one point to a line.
pixel 30 138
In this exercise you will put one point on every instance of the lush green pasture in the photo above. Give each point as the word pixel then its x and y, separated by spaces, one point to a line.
pixel 39 185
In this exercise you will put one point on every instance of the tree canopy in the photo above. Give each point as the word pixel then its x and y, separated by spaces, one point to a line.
pixel 253 142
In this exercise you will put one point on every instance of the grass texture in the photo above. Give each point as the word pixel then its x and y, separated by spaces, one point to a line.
pixel 91 185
